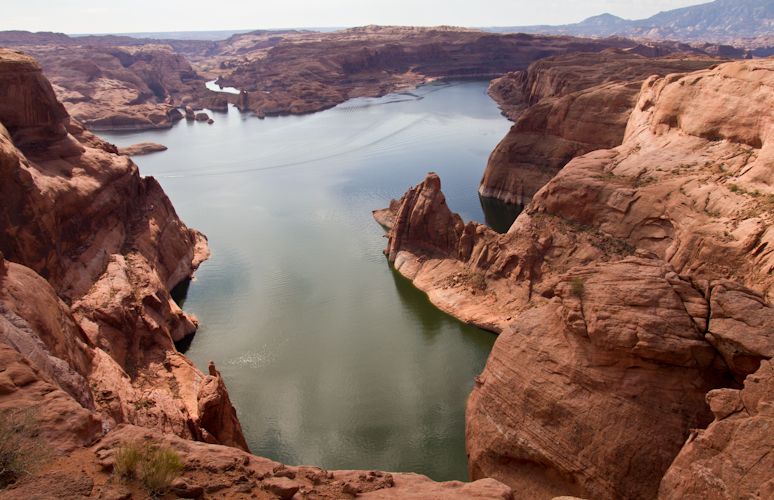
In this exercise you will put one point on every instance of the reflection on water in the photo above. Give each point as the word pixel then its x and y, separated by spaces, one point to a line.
pixel 498 214
pixel 330 356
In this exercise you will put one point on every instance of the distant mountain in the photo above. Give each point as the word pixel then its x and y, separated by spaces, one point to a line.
pixel 721 21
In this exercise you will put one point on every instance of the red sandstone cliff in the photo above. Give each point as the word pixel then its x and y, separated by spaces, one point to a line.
pixel 636 281
pixel 119 87
pixel 565 107
pixel 91 251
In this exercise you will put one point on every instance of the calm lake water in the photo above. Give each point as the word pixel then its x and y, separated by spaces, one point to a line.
pixel 331 357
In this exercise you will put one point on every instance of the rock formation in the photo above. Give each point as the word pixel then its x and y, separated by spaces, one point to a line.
pixel 119 82
pixel 733 457
pixel 635 281
pixel 310 72
pixel 212 471
pixel 117 87
pixel 90 251
pixel 564 107
pixel 141 148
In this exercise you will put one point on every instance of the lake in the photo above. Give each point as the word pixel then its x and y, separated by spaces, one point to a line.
pixel 330 356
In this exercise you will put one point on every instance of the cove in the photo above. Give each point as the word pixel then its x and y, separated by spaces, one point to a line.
pixel 331 357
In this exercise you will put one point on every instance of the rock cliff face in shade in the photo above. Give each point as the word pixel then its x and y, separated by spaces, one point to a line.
pixel 564 107
pixel 636 281
pixel 734 456
pixel 118 87
pixel 90 251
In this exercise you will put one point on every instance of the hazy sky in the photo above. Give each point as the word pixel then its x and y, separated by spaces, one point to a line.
pixel 125 16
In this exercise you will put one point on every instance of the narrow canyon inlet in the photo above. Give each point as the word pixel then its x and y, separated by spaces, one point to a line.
pixel 331 357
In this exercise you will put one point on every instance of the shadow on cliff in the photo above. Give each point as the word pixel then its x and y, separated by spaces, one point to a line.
pixel 498 214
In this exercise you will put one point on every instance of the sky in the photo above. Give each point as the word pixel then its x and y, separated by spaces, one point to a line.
pixel 129 16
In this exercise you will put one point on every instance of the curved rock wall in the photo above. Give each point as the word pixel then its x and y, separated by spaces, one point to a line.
pixel 101 325
pixel 564 107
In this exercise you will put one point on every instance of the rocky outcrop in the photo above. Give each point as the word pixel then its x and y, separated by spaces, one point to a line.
pixel 734 456
pixel 118 87
pixel 595 393
pixel 565 107
pixel 635 281
pixel 141 148
pixel 309 72
pixel 231 474
pixel 92 251
pixel 217 416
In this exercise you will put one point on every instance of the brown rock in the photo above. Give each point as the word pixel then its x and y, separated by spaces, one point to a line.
pixel 116 87
pixel 564 107
pixel 111 245
pixel 201 117
pixel 51 486
pixel 621 354
pixel 281 486
pixel 183 489
pixel 741 326
pixel 423 217
pixel 189 113
pixel 65 423
pixel 416 487
pixel 734 456
pixel 141 148
pixel 38 325
pixel 688 193
pixel 216 413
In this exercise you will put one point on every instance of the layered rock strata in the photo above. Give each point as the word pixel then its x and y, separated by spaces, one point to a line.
pixel 119 82
pixel 636 280
pixel 90 251
pixel 564 107
pixel 734 456
pixel 119 87
pixel 305 72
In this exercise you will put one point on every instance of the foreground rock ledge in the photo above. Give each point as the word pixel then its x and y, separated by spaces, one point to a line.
pixel 228 473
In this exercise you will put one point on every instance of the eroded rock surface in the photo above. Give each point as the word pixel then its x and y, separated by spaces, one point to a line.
pixel 734 456
pixel 90 251
pixel 231 474
pixel 141 148
pixel 117 87
pixel 636 280
pixel 564 107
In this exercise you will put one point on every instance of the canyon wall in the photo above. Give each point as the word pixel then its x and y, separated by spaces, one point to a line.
pixel 89 252
pixel 119 87
pixel 633 285
pixel 121 83
pixel 564 107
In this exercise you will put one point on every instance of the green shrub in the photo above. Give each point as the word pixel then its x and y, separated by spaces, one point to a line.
pixel 22 445
pixel 576 286
pixel 127 456
pixel 153 465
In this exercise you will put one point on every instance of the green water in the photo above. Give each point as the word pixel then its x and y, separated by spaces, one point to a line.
pixel 330 356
